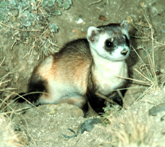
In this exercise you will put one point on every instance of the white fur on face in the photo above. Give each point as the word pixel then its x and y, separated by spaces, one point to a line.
pixel 90 32
pixel 105 71
pixel 115 55
pixel 99 46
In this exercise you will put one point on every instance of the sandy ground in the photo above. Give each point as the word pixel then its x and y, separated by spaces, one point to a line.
pixel 132 126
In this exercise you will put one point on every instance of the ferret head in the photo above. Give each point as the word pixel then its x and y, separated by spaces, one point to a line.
pixel 111 41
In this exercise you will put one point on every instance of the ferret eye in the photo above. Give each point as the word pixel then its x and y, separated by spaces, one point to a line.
pixel 124 36
pixel 108 43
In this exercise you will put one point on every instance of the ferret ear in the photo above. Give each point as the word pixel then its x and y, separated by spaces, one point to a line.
pixel 124 26
pixel 93 34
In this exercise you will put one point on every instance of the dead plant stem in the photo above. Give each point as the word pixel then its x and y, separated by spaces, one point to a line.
pixel 2 61
pixel 153 53
pixel 143 75
pixel 19 29
pixel 94 3
pixel 134 80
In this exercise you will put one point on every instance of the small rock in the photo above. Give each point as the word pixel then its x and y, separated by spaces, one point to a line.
pixel 162 118
pixel 157 109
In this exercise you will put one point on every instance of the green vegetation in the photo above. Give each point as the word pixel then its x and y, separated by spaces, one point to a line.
pixel 28 21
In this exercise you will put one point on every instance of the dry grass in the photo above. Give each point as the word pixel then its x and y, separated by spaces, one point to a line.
pixel 148 69
pixel 5 91
pixel 129 129
pixel 8 137
pixel 38 37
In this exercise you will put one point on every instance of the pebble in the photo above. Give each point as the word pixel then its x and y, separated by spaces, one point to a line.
pixel 157 109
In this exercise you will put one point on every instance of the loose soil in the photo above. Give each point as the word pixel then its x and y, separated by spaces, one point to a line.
pixel 132 126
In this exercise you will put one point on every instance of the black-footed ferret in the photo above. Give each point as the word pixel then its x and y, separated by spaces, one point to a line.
pixel 82 68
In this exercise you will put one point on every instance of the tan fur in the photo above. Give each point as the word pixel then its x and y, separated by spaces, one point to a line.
pixel 74 101
pixel 45 69
pixel 65 73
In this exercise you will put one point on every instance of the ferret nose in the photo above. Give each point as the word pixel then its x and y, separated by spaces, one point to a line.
pixel 124 52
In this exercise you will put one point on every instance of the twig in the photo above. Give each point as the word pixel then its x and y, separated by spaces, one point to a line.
pixel 22 96
pixel 5 89
pixel 52 43
pixel 15 41
pixel 141 58
pixel 19 29
pixel 143 75
pixel 133 80
pixel 17 32
pixel 94 3
pixel 152 38
pixel 153 56
pixel 106 98
pixel 6 99
pixel 2 78
pixel 43 15
pixel 4 82
pixel 17 111
pixel 2 61
pixel 119 7
pixel 22 12
pixel 32 47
